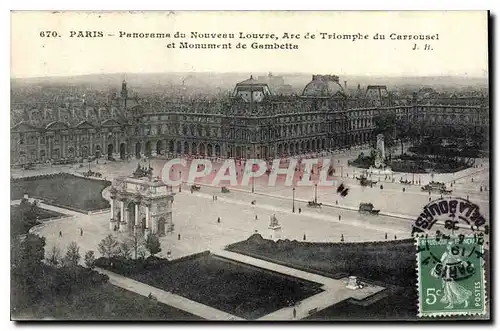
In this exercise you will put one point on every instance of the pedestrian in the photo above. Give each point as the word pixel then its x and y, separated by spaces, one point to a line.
pixel 300 210
pixel 336 202
pixel 304 236
pixel 256 217
pixel 395 237
pixel 218 219
pixel 215 198
pixel 404 189
pixel 429 199
pixel 81 232
pixel 294 312
pixel 179 236
pixel 60 234
pixel 341 238
pixel 386 236
pixel 340 217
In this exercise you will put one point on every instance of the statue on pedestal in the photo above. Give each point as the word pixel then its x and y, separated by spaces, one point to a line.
pixel 275 228
pixel 380 156
pixel 354 283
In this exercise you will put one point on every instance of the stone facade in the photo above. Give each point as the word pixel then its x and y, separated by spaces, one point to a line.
pixel 253 122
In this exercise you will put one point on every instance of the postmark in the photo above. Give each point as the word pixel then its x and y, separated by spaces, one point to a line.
pixel 451 277
pixel 449 216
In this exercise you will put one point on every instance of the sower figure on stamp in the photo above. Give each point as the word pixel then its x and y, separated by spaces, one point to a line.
pixel 453 293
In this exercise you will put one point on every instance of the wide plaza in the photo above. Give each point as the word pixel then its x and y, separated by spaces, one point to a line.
pixel 195 214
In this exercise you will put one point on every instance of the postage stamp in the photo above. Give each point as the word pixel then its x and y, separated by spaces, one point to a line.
pixel 451 278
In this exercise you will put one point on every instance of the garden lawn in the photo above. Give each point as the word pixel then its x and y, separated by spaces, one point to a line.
pixel 65 190
pixel 233 287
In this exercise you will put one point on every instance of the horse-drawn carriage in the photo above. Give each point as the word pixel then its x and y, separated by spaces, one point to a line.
pixel 436 186
pixel 91 173
pixel 224 190
pixel 195 188
pixel 364 181
pixel 367 208
pixel 28 166
pixel 314 204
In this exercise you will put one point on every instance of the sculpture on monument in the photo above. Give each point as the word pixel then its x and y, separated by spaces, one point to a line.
pixel 353 283
pixel 380 167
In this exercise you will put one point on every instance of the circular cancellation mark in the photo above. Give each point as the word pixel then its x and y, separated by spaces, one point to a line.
pixel 451 235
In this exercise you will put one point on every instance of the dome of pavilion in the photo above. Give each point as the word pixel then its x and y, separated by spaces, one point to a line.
pixel 323 86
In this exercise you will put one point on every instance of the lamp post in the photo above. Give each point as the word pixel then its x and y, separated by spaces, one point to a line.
pixel 293 199
pixel 315 193
pixel 253 177
pixel 180 177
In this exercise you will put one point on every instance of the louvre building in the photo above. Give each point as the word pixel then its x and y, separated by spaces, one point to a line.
pixel 253 122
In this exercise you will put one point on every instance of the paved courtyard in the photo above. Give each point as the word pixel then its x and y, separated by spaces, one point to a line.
pixel 195 217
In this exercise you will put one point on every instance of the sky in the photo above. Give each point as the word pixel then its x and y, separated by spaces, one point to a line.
pixel 462 48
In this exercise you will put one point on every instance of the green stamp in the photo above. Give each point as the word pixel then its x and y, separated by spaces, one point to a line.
pixel 451 279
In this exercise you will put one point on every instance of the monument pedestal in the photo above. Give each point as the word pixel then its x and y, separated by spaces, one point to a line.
pixel 113 225
pixel 275 232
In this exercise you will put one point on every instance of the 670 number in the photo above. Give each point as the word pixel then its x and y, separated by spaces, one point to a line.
pixel 48 34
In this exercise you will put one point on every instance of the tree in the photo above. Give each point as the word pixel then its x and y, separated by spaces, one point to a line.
pixel 153 244
pixel 403 131
pixel 54 257
pixel 72 256
pixel 108 247
pixel 124 250
pixel 141 252
pixel 89 259
pixel 24 217
pixel 136 243
pixel 32 251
